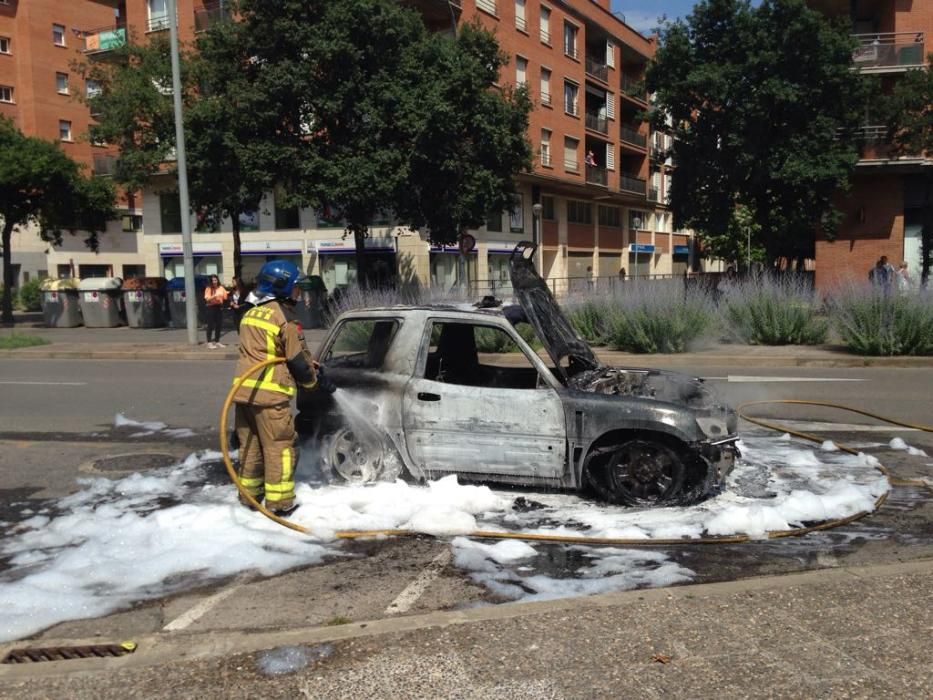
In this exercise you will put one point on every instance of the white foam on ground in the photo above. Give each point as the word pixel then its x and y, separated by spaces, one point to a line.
pixel 899 444
pixel 148 428
pixel 115 542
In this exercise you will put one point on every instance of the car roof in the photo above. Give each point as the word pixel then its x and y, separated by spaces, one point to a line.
pixel 464 309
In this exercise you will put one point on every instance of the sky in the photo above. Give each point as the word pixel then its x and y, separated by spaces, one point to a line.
pixel 643 14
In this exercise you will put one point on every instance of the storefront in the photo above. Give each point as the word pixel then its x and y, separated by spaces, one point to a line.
pixel 497 265
pixel 680 259
pixel 640 256
pixel 255 254
pixel 208 259
pixel 445 266
pixel 337 261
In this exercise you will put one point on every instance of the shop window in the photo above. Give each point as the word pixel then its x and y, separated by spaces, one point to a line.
pixel 338 270
pixel 579 212
pixel 170 212
pixel 547 209
pixel 610 216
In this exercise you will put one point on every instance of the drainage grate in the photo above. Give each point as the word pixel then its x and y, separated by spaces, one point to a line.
pixel 93 651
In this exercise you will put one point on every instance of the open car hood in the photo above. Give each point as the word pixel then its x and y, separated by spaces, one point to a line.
pixel 560 339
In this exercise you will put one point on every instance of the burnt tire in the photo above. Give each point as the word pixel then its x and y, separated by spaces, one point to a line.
pixel 644 473
pixel 349 457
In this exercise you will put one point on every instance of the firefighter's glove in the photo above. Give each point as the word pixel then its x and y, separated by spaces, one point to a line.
pixel 324 383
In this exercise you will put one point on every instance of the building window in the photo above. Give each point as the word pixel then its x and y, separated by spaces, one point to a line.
pixel 610 216
pixel 571 92
pixel 6 94
pixel 286 217
pixel 5 45
pixel 131 223
pixel 92 88
pixel 64 130
pixel 547 209
pixel 570 40
pixel 546 87
pixel 570 153
pixel 638 220
pixel 494 222
pixel 170 212
pixel 58 34
pixel 545 26
pixel 521 70
pixel 520 24
pixel 487 6
pixel 545 153
pixel 61 83
pixel 158 15
pixel 133 271
pixel 579 212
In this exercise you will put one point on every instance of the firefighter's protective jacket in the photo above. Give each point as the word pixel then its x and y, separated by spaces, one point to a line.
pixel 268 331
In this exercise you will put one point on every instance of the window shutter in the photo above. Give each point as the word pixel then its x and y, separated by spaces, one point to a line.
pixel 610 157
pixel 610 105
pixel 610 54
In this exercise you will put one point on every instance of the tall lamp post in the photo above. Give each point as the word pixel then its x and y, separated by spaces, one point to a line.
pixel 636 223
pixel 536 210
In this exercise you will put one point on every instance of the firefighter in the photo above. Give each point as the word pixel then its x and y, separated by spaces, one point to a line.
pixel 264 426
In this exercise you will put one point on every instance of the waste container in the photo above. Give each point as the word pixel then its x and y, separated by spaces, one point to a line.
pixel 60 306
pixel 101 302
pixel 313 303
pixel 146 302
pixel 177 300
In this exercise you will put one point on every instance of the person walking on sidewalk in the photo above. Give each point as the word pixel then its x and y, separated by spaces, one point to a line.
pixel 265 429
pixel 215 295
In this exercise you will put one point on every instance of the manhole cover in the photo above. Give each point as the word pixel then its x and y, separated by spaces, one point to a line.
pixel 134 462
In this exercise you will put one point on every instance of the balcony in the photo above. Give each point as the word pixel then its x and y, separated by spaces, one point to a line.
pixel 597 176
pixel 633 88
pixel 891 51
pixel 157 23
pixel 598 70
pixel 105 164
pixel 631 136
pixel 103 40
pixel 597 123
pixel 211 13
pixel 630 183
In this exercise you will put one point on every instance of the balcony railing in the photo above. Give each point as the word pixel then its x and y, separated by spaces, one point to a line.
pixel 211 13
pixel 889 50
pixel 597 123
pixel 597 176
pixel 105 164
pixel 521 25
pixel 487 5
pixel 157 23
pixel 570 165
pixel 546 98
pixel 545 36
pixel 598 70
pixel 545 158
pixel 630 135
pixel 97 41
pixel 633 87
pixel 630 183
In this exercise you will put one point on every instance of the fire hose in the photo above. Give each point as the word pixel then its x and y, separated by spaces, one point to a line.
pixel 579 539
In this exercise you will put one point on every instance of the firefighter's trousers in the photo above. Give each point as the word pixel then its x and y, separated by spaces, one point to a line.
pixel 267 454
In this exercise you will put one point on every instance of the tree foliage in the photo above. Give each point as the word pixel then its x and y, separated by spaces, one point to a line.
pixel 40 184
pixel 909 115
pixel 763 105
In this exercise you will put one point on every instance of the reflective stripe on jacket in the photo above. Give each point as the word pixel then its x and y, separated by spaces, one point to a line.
pixel 268 331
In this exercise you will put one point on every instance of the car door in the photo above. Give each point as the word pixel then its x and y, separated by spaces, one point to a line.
pixel 503 421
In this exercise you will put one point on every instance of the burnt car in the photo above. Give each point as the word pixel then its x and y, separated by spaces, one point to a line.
pixel 461 389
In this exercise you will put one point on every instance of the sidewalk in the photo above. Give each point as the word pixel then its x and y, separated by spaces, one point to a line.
pixel 844 632
pixel 160 344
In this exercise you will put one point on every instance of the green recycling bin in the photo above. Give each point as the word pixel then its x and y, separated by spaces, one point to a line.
pixel 101 302
pixel 60 306
pixel 312 305
pixel 146 302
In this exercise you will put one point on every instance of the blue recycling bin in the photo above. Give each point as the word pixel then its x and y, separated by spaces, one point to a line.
pixel 177 300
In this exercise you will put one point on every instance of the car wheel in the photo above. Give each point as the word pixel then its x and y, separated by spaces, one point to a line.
pixel 644 473
pixel 358 459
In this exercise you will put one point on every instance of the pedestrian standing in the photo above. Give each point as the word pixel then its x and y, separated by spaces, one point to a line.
pixel 238 303
pixel 904 283
pixel 215 295
pixel 264 425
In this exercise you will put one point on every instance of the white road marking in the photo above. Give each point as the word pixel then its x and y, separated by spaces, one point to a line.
pixel 48 383
pixel 413 590
pixel 198 611
pixel 742 379
pixel 818 426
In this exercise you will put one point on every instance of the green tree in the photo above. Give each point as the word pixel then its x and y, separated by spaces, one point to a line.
pixel 763 104
pixel 40 184
pixel 909 115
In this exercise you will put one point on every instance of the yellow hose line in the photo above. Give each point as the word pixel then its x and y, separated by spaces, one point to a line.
pixel 569 539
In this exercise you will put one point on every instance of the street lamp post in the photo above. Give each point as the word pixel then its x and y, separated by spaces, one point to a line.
pixel 636 222
pixel 536 210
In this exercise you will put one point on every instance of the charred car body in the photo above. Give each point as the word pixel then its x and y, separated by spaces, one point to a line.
pixel 458 390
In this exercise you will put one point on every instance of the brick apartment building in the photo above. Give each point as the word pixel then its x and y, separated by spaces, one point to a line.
pixel 597 173
pixel 882 211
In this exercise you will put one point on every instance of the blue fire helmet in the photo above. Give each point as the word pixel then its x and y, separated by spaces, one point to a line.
pixel 277 278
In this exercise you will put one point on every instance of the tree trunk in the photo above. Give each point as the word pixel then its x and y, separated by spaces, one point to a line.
pixel 237 253
pixel 359 240
pixel 7 314
pixel 926 232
